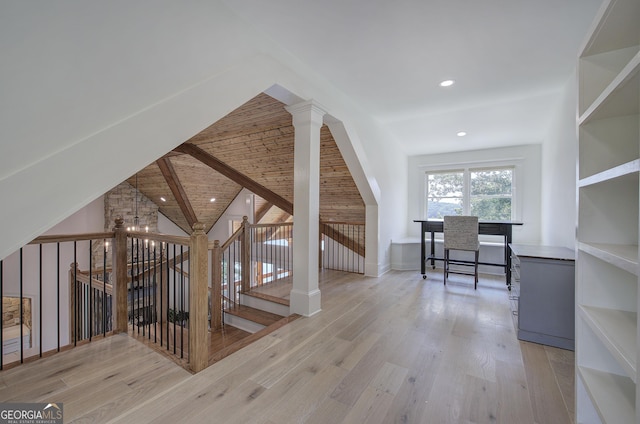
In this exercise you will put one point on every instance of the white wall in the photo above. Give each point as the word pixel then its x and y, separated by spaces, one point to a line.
pixel 166 226
pixel 93 91
pixel 527 175
pixel 559 153
pixel 240 206
pixel 89 219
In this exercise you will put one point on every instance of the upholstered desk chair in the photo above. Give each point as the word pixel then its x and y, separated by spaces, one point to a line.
pixel 461 233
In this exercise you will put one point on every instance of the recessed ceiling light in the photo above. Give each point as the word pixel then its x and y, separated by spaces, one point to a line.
pixel 447 83
pixel 461 133
pixel 213 199
pixel 163 199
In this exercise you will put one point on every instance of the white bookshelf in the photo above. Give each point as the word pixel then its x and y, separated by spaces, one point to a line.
pixel 607 259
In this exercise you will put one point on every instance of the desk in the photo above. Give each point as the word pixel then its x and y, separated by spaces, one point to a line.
pixel 497 228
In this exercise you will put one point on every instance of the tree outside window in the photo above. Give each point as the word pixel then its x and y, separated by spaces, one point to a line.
pixel 445 194
pixel 486 193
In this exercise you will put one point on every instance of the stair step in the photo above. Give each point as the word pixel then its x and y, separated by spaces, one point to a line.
pixel 256 315
pixel 270 298
pixel 265 303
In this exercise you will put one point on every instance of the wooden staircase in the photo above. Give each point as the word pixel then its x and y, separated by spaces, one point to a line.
pixel 256 312
pixel 250 319
pixel 257 321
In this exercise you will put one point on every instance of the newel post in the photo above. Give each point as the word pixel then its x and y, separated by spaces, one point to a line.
pixel 216 286
pixel 246 255
pixel 198 294
pixel 120 292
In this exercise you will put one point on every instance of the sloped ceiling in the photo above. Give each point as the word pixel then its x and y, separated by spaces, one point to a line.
pixel 251 147
pixel 510 59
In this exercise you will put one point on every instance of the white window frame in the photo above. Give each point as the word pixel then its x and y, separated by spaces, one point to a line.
pixel 466 167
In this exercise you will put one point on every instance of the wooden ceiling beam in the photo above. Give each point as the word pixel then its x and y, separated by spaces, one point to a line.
pixel 172 180
pixel 260 213
pixel 239 178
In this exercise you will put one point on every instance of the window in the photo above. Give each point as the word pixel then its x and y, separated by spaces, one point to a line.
pixel 484 192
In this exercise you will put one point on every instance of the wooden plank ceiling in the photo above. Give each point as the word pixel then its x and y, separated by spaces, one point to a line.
pixel 251 147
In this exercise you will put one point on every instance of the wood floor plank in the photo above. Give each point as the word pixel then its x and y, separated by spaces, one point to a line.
pixel 329 411
pixel 359 377
pixel 393 349
pixel 390 378
pixel 411 400
pixel 562 365
pixel 304 402
pixel 546 398
pixel 359 347
pixel 371 407
pixel 513 404
pixel 114 407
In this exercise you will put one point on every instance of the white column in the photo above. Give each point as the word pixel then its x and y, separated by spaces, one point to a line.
pixel 307 120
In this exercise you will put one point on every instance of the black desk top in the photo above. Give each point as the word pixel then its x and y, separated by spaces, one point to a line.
pixel 479 222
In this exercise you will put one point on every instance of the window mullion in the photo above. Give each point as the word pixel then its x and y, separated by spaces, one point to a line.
pixel 466 196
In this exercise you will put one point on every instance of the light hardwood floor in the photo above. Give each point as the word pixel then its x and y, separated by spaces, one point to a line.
pixel 394 349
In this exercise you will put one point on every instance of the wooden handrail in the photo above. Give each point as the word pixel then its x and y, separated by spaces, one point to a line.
pixel 233 238
pixel 281 224
pixel 96 284
pixel 159 237
pixel 341 223
pixel 71 237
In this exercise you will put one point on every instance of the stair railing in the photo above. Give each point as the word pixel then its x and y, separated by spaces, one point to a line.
pixel 255 255
pixel 48 306
pixel 162 296
pixel 342 246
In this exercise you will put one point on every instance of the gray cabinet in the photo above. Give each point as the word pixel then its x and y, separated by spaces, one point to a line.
pixel 546 294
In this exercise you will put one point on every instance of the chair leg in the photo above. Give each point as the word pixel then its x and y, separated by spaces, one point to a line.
pixel 445 265
pixel 475 272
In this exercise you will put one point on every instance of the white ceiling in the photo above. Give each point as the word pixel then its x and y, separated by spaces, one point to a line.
pixel 510 60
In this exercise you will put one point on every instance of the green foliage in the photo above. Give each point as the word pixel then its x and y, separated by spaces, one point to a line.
pixel 177 316
pixel 492 209
pixel 491 183
pixel 446 185
pixel 491 192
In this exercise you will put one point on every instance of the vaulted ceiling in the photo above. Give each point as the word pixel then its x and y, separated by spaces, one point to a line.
pixel 252 147
pixel 510 60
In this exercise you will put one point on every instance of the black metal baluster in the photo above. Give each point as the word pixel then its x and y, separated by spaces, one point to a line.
pixel 104 288
pixel 131 292
pixel 340 250
pixel 75 293
pixel 359 234
pixel 174 300
pixel 1 313
pixel 144 295
pixel 232 274
pixel 289 248
pixel 90 291
pixel 155 296
pixel 148 293
pixel 21 312
pixel 350 251
pixel 182 312
pixel 137 310
pixel 40 292
pixel 58 291
pixel 167 310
